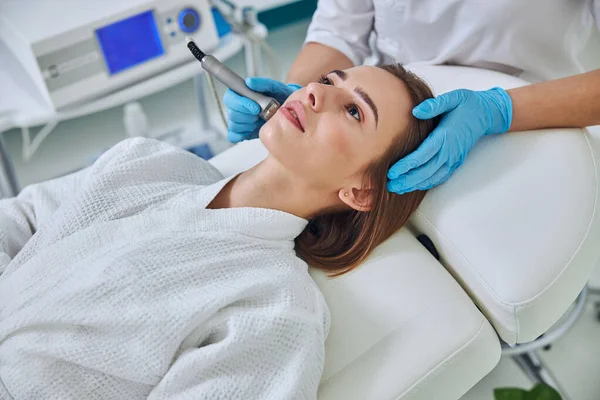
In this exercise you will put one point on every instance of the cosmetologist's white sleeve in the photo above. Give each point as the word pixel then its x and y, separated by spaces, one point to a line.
pixel 21 216
pixel 254 355
pixel 345 25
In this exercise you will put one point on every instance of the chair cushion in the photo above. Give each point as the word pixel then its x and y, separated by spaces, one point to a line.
pixel 401 327
pixel 517 224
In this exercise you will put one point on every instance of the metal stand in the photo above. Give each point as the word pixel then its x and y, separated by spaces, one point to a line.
pixel 526 357
pixel 596 292
pixel 9 185
pixel 252 49
pixel 253 63
pixel 536 370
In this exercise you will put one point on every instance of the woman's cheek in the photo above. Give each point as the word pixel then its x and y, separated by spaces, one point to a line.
pixel 339 143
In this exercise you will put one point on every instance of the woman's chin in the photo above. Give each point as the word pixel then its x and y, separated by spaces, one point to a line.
pixel 265 135
pixel 269 140
pixel 271 135
pixel 278 144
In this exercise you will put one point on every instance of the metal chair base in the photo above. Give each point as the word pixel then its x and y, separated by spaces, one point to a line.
pixel 526 357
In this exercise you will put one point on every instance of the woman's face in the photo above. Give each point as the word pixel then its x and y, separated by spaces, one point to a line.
pixel 326 133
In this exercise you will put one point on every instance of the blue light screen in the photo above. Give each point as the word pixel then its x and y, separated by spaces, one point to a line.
pixel 130 42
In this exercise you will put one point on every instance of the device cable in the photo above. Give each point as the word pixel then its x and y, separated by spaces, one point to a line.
pixel 215 95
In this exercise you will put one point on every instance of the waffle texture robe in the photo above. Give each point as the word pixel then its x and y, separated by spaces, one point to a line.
pixel 117 283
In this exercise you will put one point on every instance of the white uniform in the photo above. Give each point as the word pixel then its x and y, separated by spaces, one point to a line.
pixel 536 39
pixel 118 283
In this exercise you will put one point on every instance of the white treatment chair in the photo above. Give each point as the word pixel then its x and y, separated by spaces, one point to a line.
pixel 517 233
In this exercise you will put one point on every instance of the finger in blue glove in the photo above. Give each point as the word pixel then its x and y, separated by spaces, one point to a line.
pixel 241 104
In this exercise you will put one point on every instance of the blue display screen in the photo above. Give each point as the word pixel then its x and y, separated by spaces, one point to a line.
pixel 130 42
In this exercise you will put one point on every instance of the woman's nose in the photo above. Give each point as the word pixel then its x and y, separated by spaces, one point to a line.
pixel 316 96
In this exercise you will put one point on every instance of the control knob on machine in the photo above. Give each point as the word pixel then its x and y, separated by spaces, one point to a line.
pixel 189 20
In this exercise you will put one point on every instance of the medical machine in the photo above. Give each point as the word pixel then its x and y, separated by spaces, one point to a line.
pixel 74 51
pixel 268 105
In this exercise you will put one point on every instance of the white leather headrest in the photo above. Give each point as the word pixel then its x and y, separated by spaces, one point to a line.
pixel 517 224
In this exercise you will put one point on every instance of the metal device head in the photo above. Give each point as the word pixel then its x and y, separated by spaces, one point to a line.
pixel 269 110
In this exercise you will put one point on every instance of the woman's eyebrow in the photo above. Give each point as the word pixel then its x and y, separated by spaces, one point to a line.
pixel 361 93
pixel 341 74
pixel 367 99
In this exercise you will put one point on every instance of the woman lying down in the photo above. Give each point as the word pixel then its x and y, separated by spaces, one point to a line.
pixel 149 275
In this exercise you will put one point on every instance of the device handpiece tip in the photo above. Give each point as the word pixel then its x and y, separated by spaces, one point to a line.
pixel 188 39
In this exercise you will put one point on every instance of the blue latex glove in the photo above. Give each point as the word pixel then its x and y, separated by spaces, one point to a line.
pixel 242 115
pixel 470 116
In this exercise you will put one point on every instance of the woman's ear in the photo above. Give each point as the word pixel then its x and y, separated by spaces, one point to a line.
pixel 358 199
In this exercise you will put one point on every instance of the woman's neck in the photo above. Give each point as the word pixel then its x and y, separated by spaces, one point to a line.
pixel 267 185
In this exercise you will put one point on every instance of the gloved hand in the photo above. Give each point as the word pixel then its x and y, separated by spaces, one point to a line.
pixel 470 116
pixel 242 114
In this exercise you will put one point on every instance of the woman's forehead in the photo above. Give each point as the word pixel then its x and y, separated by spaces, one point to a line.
pixel 388 92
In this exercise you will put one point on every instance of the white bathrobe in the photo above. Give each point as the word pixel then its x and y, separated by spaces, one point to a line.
pixel 118 283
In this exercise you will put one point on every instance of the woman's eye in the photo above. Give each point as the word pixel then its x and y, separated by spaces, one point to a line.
pixel 353 111
pixel 324 80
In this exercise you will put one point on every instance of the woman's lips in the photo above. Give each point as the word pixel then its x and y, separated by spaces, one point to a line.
pixel 288 115
pixel 298 109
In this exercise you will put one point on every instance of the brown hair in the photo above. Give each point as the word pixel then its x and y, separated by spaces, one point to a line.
pixel 338 242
